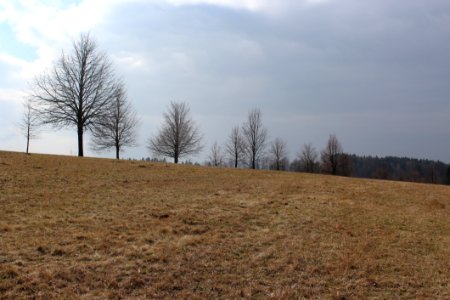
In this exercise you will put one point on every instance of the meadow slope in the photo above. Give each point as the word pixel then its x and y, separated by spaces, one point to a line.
pixel 97 228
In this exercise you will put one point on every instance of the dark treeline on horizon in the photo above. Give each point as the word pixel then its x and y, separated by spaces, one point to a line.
pixel 388 168
pixel 400 168
pixel 371 167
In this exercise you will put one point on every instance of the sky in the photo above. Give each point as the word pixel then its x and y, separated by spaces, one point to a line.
pixel 376 73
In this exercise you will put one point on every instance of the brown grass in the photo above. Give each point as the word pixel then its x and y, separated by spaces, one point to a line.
pixel 96 228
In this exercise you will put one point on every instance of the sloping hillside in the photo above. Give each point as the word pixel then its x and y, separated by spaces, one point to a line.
pixel 96 228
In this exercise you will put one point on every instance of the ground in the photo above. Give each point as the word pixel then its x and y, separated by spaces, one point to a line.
pixel 97 229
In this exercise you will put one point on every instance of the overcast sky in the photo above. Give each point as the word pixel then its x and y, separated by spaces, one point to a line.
pixel 376 73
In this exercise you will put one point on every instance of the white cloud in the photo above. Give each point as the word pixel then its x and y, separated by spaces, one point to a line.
pixel 242 4
pixel 48 27
pixel 12 60
pixel 11 95
pixel 38 22
pixel 265 6
pixel 131 60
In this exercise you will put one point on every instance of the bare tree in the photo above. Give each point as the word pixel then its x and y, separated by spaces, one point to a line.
pixel 77 90
pixel 235 146
pixel 178 136
pixel 308 157
pixel 278 154
pixel 255 136
pixel 330 155
pixel 215 155
pixel 29 122
pixel 117 126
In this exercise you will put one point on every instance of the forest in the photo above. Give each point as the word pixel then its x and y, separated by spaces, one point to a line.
pixel 400 168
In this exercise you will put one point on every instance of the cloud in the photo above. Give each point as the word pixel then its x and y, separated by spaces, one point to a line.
pixel 264 6
pixel 312 66
pixel 36 22
pixel 49 26
pixel 11 95
pixel 252 5
pixel 12 60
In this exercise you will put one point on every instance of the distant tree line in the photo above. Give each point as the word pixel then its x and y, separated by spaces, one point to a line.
pixel 400 168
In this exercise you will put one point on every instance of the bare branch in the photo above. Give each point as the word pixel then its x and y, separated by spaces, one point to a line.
pixel 308 158
pixel 278 153
pixel 215 155
pixel 255 137
pixel 235 147
pixel 116 128
pixel 178 136
pixel 330 155
pixel 77 89
pixel 29 123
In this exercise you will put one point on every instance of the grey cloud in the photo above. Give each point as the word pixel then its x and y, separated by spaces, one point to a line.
pixel 344 58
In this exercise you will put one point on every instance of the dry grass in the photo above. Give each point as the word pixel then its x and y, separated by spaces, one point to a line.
pixel 96 228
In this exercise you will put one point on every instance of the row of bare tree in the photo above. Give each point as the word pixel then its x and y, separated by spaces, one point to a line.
pixel 83 91
pixel 246 146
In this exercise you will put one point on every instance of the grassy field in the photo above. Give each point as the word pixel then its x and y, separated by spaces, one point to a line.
pixel 97 228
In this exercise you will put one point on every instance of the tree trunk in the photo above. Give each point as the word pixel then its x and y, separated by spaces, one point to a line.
pixel 333 164
pixel 176 154
pixel 80 140
pixel 236 161
pixel 28 138
pixel 117 145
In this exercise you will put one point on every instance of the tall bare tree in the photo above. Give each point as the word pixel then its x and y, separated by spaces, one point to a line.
pixel 235 146
pixel 255 136
pixel 278 154
pixel 215 155
pixel 116 128
pixel 330 155
pixel 179 135
pixel 76 91
pixel 308 158
pixel 29 122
